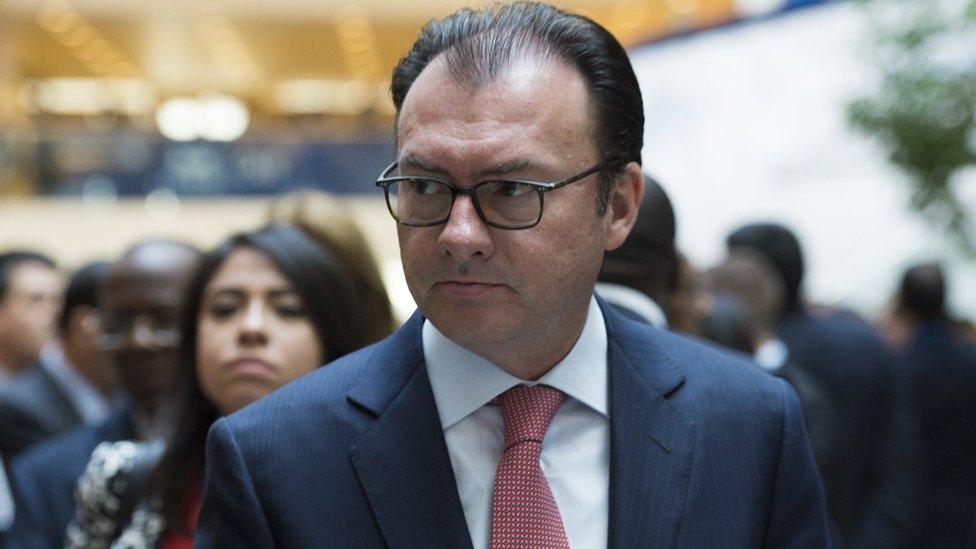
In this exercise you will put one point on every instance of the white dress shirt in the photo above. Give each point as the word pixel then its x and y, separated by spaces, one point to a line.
pixel 6 501
pixel 576 449
pixel 772 354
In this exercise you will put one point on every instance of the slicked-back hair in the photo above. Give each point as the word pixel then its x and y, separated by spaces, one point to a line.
pixel 11 260
pixel 478 45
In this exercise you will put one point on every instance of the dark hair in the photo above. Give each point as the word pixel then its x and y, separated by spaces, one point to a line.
pixel 647 261
pixel 479 44
pixel 82 290
pixel 11 260
pixel 923 292
pixel 781 247
pixel 332 309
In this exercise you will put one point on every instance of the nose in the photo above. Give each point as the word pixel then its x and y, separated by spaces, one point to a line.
pixel 253 328
pixel 465 236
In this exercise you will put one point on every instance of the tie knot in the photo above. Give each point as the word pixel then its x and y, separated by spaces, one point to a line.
pixel 528 411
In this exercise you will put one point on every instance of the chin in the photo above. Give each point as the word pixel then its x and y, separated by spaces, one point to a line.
pixel 474 327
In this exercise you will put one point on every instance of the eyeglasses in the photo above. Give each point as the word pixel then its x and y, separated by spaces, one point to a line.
pixel 159 331
pixel 503 203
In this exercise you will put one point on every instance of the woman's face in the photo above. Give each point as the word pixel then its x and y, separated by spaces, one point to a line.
pixel 253 333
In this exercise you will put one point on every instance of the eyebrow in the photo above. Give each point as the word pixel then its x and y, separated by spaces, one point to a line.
pixel 495 170
pixel 237 292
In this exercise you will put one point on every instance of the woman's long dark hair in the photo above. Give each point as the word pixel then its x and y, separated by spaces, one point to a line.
pixel 331 307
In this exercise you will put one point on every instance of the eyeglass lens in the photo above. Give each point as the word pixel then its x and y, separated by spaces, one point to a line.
pixel 422 201
pixel 161 330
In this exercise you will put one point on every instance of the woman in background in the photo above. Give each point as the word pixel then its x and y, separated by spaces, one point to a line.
pixel 264 308
pixel 325 219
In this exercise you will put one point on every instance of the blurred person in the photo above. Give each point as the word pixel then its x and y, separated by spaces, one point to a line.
pixel 139 300
pixel 264 308
pixel 75 382
pixel 641 276
pixel 686 308
pixel 324 218
pixel 943 366
pixel 745 295
pixel 873 488
pixel 31 290
pixel 485 420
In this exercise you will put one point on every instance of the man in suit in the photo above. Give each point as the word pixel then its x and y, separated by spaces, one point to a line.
pixel 515 409
pixel 30 298
pixel 641 276
pixel 75 381
pixel 140 297
pixel 873 483
pixel 745 295
pixel 943 367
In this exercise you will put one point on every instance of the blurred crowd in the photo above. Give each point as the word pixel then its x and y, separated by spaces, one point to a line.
pixel 110 377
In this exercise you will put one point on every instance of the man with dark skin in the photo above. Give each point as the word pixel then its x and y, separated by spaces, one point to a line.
pixel 140 298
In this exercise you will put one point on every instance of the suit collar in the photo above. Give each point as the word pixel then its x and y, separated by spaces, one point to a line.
pixel 405 470
pixel 401 459
pixel 389 366
pixel 651 441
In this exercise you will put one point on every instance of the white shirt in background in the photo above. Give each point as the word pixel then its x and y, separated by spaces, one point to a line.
pixel 88 401
pixel 634 301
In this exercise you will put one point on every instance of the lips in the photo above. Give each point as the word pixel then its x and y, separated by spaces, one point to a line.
pixel 251 367
pixel 467 289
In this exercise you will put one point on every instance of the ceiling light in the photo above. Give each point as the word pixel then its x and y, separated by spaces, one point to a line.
pixel 177 119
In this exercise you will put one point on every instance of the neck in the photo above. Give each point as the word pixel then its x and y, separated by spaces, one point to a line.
pixel 530 358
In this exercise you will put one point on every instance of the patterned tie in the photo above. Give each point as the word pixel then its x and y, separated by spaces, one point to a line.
pixel 524 513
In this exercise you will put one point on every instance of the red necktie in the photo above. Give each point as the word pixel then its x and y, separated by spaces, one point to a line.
pixel 523 511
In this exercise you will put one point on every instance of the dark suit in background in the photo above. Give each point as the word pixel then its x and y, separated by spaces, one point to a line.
pixel 874 485
pixel 944 370
pixel 33 408
pixel 43 480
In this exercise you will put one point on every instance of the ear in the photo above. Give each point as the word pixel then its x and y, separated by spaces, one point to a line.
pixel 628 192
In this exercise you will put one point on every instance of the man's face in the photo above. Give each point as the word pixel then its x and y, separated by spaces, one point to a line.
pixel 490 289
pixel 29 310
pixel 140 317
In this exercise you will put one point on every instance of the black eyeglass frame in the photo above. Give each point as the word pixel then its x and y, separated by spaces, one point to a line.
pixel 385 181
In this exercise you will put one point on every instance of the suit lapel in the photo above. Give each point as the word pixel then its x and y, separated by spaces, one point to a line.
pixel 402 460
pixel 651 442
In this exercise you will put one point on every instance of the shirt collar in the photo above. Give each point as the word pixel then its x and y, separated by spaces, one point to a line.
pixel 772 354
pixel 462 381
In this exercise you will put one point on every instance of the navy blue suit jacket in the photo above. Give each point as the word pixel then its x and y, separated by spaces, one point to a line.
pixel 944 370
pixel 43 481
pixel 706 451
pixel 873 482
